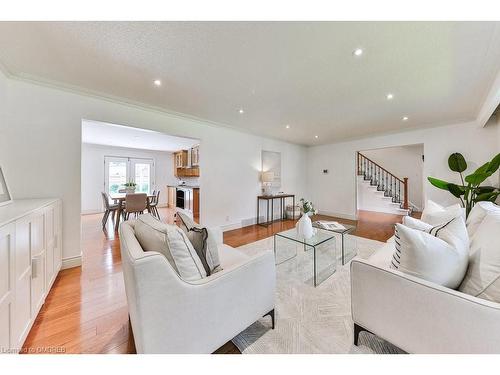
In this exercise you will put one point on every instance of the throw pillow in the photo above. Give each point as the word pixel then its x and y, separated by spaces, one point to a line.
pixel 435 214
pixel 483 275
pixel 477 215
pixel 438 254
pixel 203 241
pixel 172 242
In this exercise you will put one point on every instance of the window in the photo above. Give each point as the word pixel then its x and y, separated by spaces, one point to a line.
pixel 119 170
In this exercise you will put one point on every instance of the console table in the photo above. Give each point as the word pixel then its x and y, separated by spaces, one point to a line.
pixel 270 199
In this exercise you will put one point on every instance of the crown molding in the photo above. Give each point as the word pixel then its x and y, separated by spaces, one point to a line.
pixel 80 91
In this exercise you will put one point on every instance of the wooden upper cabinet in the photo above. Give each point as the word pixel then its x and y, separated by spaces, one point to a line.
pixel 195 155
pixel 181 163
pixel 181 159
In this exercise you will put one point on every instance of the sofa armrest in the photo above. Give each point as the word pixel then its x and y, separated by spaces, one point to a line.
pixel 419 316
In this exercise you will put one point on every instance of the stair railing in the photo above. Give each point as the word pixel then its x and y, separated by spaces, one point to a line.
pixel 385 181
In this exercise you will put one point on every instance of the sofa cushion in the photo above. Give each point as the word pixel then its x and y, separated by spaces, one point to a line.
pixel 230 257
pixel 203 240
pixel 172 242
pixel 438 254
pixel 477 215
pixel 435 214
pixel 483 275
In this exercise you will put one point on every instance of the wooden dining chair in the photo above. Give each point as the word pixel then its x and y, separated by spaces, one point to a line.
pixel 153 205
pixel 108 209
pixel 135 204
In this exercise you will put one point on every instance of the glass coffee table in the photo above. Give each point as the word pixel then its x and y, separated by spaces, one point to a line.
pixel 324 259
pixel 347 245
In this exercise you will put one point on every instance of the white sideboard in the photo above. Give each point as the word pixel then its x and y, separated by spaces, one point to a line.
pixel 30 259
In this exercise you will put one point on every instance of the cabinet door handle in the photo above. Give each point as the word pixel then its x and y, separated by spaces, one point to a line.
pixel 34 268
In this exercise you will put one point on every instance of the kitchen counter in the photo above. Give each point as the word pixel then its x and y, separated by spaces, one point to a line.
pixel 185 186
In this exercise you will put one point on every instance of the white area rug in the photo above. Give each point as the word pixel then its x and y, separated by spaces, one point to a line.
pixel 309 319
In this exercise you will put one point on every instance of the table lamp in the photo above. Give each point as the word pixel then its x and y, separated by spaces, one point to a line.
pixel 267 180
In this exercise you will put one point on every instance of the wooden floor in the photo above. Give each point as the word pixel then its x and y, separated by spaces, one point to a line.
pixel 86 310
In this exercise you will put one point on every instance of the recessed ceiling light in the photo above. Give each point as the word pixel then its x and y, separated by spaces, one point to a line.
pixel 287 126
pixel 316 136
pixel 405 118
pixel 357 52
pixel 241 111
pixel 157 82
pixel 390 96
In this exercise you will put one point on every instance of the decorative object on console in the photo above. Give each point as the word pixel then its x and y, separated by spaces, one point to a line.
pixel 304 225
pixel 5 197
pixel 471 193
pixel 267 181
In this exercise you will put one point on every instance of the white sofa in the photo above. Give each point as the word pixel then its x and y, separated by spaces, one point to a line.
pixel 416 315
pixel 170 315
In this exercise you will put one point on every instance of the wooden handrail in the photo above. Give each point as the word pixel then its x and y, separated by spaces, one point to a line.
pixel 378 165
pixel 403 181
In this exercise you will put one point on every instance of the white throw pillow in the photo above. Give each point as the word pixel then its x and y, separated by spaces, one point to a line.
pixel 483 275
pixel 438 254
pixel 477 215
pixel 413 223
pixel 171 241
pixel 203 241
pixel 435 214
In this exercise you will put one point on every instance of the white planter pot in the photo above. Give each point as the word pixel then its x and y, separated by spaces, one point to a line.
pixel 304 227
pixel 130 190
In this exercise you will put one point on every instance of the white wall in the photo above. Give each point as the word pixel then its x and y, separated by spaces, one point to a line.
pixel 402 161
pixel 335 193
pixel 93 172
pixel 40 150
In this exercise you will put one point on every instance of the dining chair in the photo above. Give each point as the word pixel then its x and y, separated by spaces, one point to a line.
pixel 135 204
pixel 108 209
pixel 153 204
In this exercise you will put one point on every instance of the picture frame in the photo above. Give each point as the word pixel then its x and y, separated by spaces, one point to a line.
pixel 5 197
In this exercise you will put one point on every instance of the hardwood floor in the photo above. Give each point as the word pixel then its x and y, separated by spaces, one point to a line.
pixel 86 310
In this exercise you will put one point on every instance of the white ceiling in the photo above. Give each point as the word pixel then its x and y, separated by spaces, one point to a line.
pixel 101 133
pixel 297 73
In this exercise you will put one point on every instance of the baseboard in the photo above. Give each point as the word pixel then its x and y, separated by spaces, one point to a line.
pixel 71 262
pixel 337 214
pixel 91 212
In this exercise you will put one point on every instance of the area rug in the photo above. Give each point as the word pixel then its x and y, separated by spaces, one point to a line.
pixel 310 319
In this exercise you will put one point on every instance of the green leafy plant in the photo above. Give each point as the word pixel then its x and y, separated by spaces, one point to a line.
pixel 130 184
pixel 307 207
pixel 470 190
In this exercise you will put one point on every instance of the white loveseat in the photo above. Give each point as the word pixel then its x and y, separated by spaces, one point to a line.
pixel 170 315
pixel 416 315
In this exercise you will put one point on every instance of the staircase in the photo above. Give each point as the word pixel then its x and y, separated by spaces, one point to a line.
pixel 390 193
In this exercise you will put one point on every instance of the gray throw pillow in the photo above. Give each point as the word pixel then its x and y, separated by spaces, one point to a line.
pixel 203 242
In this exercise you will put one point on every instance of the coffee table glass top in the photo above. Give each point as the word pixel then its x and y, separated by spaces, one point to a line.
pixel 347 228
pixel 319 237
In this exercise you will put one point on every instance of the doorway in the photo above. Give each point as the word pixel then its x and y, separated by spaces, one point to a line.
pixel 390 180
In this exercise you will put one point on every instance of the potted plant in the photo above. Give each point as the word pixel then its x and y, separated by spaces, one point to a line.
pixel 130 187
pixel 470 191
pixel 304 225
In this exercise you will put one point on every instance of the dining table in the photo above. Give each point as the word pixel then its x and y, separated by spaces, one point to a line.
pixel 119 198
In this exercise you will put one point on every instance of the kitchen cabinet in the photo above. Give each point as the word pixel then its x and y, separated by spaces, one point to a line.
pixel 181 159
pixel 196 203
pixel 195 156
pixel 30 258
pixel 171 196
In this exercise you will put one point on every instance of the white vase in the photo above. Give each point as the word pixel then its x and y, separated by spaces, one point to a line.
pixel 304 227
pixel 130 190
